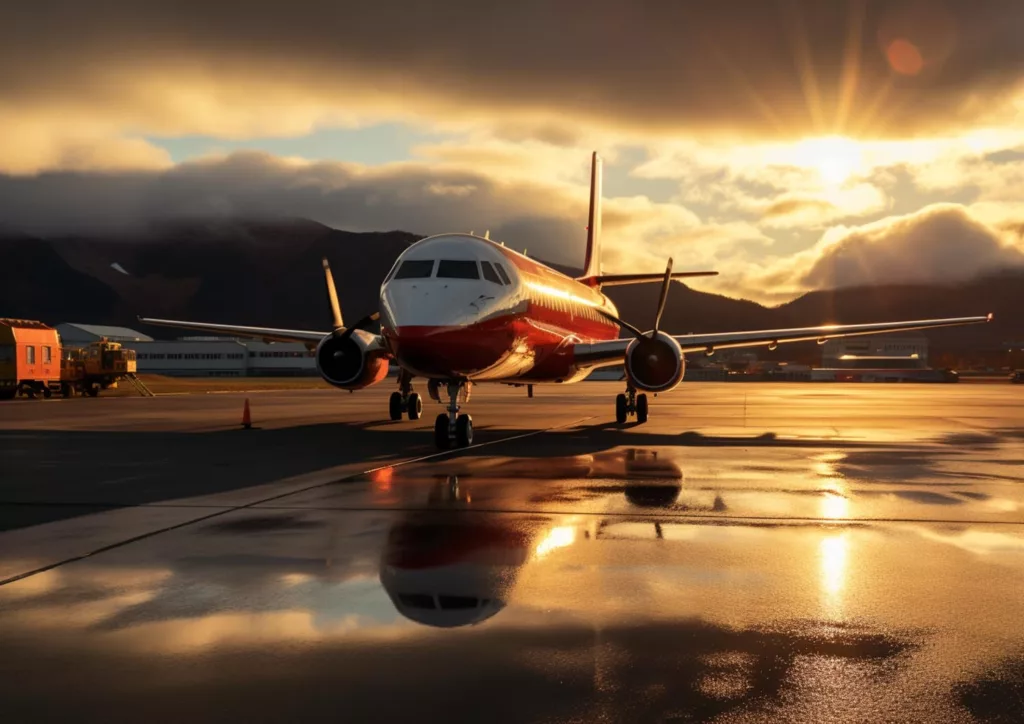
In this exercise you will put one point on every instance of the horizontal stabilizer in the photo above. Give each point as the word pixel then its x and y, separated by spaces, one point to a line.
pixel 612 280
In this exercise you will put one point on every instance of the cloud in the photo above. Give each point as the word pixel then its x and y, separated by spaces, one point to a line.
pixel 537 69
pixel 942 243
pixel 789 207
pixel 547 218
pixel 32 145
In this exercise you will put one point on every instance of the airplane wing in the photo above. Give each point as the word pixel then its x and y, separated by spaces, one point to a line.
pixel 613 280
pixel 273 334
pixel 612 352
pixel 268 334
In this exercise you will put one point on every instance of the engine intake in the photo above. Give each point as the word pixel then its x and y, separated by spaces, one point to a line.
pixel 655 365
pixel 350 363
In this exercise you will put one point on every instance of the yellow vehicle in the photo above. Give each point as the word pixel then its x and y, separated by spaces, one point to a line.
pixel 100 366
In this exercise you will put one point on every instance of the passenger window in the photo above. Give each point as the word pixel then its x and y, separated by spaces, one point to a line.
pixel 415 269
pixel 489 273
pixel 30 355
pixel 457 269
pixel 46 355
pixel 501 273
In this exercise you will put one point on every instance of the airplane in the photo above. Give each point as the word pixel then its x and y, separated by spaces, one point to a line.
pixel 457 309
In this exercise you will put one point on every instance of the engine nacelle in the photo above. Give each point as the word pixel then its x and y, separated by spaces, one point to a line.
pixel 350 363
pixel 655 365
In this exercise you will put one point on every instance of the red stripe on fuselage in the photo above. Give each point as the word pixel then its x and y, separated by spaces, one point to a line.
pixel 537 345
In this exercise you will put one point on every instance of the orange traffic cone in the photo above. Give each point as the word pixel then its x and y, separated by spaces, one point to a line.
pixel 246 419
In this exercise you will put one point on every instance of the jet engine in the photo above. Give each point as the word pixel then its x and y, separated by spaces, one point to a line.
pixel 655 363
pixel 349 361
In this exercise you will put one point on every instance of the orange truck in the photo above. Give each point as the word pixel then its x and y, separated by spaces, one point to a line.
pixel 29 359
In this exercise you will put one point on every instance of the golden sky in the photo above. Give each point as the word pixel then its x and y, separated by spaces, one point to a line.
pixel 790 144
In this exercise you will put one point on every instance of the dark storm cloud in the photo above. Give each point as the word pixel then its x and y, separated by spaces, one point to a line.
pixel 256 185
pixel 780 67
pixel 941 243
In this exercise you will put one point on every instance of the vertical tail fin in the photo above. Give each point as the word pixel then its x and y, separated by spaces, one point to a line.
pixel 592 261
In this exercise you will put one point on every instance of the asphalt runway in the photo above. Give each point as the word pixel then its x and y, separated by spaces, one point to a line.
pixel 756 552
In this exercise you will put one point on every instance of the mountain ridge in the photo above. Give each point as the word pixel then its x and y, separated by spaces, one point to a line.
pixel 268 273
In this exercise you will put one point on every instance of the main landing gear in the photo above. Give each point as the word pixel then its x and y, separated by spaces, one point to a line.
pixel 630 403
pixel 405 400
pixel 450 428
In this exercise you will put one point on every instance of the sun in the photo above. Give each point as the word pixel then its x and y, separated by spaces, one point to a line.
pixel 835 158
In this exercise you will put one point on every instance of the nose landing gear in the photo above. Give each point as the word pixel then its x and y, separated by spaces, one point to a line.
pixel 630 403
pixel 452 430
pixel 405 400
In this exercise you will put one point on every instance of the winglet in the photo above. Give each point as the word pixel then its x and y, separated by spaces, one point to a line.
pixel 332 293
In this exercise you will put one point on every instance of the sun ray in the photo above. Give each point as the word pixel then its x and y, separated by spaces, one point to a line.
pixel 741 82
pixel 850 77
pixel 867 119
pixel 805 66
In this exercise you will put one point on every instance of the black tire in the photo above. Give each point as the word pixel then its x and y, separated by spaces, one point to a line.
pixel 620 408
pixel 641 408
pixel 395 406
pixel 441 439
pixel 464 431
pixel 414 406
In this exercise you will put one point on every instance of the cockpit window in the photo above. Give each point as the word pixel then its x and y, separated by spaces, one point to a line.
pixel 415 269
pixel 501 273
pixel 457 269
pixel 416 600
pixel 455 602
pixel 489 273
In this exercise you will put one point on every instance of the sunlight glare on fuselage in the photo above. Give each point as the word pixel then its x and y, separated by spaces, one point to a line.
pixel 556 292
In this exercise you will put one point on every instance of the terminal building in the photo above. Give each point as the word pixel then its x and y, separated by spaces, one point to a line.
pixel 223 357
pixel 878 359
pixel 198 356
pixel 910 351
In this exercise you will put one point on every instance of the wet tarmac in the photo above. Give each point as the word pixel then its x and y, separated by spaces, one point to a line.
pixel 770 552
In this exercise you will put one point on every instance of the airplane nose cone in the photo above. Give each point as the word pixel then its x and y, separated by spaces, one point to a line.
pixel 439 330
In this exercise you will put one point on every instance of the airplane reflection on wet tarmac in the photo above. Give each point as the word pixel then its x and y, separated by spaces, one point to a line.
pixel 461 571
pixel 628 585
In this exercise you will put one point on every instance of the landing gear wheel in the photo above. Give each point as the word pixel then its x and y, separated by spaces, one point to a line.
pixel 621 410
pixel 464 431
pixel 641 408
pixel 414 406
pixel 441 432
pixel 395 406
